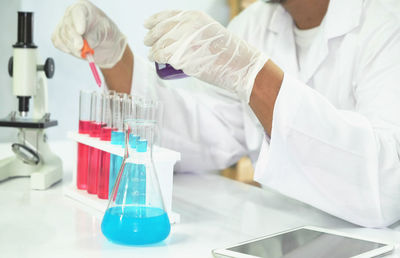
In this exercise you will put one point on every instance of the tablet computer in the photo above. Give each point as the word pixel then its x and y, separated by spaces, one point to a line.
pixel 307 242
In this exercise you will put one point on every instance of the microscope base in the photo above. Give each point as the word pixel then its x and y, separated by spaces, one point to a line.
pixel 42 176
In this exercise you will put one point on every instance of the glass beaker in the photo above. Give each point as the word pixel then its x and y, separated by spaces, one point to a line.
pixel 136 213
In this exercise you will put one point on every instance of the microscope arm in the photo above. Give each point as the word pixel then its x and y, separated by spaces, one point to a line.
pixel 40 107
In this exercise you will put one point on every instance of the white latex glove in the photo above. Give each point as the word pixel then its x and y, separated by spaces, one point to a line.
pixel 83 20
pixel 203 48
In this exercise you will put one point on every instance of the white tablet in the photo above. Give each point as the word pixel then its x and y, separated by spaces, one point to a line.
pixel 307 242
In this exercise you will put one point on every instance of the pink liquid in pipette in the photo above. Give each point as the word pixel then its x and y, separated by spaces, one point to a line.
pixel 95 73
pixel 89 58
pixel 87 52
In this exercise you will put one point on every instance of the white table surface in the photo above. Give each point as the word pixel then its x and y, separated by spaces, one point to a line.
pixel 215 212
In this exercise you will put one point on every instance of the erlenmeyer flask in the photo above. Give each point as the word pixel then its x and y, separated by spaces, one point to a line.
pixel 136 214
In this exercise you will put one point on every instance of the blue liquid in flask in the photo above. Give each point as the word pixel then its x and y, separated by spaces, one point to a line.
pixel 135 225
pixel 136 213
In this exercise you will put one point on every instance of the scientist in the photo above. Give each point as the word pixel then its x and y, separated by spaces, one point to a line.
pixel 321 77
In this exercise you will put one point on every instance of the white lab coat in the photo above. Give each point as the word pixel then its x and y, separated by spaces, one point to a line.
pixel 336 128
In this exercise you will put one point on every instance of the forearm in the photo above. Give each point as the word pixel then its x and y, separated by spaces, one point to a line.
pixel 265 91
pixel 119 77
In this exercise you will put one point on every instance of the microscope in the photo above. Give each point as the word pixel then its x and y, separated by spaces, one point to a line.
pixel 33 156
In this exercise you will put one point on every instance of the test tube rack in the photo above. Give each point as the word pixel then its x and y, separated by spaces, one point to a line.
pixel 164 161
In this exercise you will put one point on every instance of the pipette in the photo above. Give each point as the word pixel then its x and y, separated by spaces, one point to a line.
pixel 87 52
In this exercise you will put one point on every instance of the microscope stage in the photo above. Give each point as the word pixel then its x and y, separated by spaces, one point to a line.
pixel 27 123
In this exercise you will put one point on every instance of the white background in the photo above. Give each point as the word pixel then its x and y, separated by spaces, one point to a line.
pixel 71 73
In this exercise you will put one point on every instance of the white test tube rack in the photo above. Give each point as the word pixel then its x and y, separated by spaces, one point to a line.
pixel 164 161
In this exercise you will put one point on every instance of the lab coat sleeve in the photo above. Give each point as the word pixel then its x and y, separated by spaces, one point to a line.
pixel 343 162
pixel 204 125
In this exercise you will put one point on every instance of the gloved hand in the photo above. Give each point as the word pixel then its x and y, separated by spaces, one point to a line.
pixel 83 20
pixel 203 48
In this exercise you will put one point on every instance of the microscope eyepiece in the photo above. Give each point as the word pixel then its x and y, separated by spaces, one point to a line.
pixel 25 31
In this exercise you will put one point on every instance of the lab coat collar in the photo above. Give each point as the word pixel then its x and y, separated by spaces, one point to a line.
pixel 283 51
pixel 342 16
pixel 279 19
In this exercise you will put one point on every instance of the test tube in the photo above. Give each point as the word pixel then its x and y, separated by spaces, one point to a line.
pixel 150 110
pixel 147 109
pixel 94 153
pixel 119 111
pixel 83 149
pixel 106 130
pixel 139 181
pixel 134 100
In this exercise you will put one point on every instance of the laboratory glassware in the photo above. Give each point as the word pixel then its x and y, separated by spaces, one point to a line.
pixel 83 149
pixel 105 135
pixel 150 109
pixel 136 212
pixel 147 109
pixel 120 110
pixel 167 72
pixel 94 153
pixel 87 53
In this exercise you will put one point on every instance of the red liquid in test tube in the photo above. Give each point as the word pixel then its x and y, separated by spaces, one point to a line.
pixel 83 150
pixel 94 160
pixel 83 157
pixel 102 189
